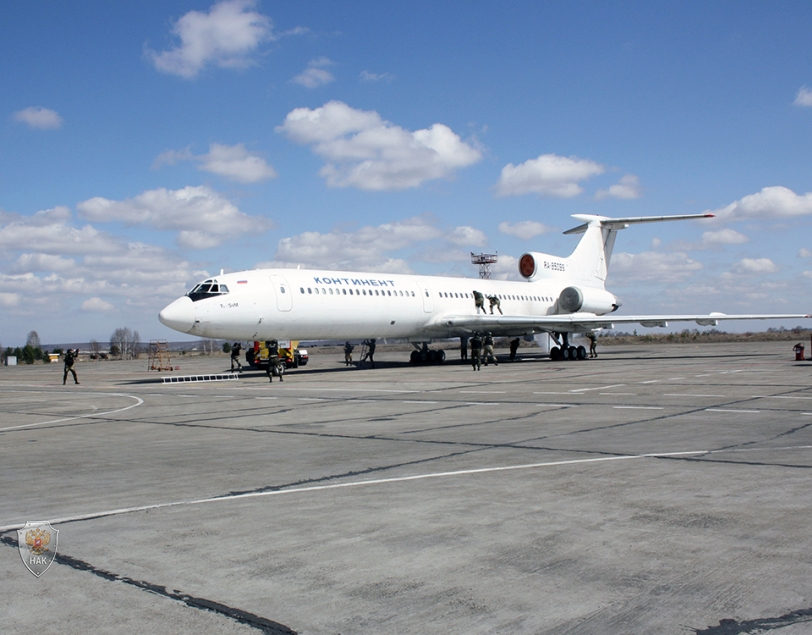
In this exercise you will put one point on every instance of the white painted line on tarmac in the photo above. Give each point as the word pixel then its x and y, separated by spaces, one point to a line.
pixel 482 403
pixel 557 405
pixel 579 390
pixel 779 397
pixel 638 407
pixel 139 401
pixel 675 378
pixel 552 393
pixel 484 392
pixel 726 410
pixel 314 399
pixel 395 479
pixel 682 394
pixel 349 389
pixel 618 394
pixel 704 375
pixel 429 402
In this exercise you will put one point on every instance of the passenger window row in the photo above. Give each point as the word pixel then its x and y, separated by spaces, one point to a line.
pixel 342 291
pixel 531 298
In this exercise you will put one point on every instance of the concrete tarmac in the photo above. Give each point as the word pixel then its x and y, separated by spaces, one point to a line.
pixel 656 489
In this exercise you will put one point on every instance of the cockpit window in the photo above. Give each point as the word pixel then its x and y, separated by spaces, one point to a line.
pixel 207 289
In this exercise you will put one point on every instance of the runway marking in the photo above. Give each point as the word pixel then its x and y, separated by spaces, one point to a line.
pixel 419 402
pixel 484 392
pixel 552 393
pixel 675 378
pixel 639 407
pixel 394 479
pixel 618 394
pixel 313 399
pixel 726 410
pixel 579 390
pixel 703 375
pixel 680 394
pixel 779 397
pixel 139 401
pixel 482 403
pixel 304 388
pixel 557 405
pixel 650 381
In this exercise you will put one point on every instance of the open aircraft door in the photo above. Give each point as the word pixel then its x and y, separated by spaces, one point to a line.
pixel 284 296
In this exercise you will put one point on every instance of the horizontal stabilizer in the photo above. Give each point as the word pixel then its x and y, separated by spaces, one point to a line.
pixel 621 223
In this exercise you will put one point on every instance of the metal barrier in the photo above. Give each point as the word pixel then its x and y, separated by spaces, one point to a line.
pixel 193 378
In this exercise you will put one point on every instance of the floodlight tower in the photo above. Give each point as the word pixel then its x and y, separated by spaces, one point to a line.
pixel 484 261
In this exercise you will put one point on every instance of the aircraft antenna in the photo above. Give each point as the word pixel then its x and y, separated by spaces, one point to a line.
pixel 484 261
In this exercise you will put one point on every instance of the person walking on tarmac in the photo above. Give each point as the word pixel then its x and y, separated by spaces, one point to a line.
pixel 489 350
pixel 236 347
pixel 593 352
pixel 371 352
pixel 348 353
pixel 514 346
pixel 495 302
pixel 479 301
pixel 476 348
pixel 70 357
pixel 275 366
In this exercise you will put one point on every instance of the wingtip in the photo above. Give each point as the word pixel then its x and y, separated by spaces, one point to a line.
pixel 710 215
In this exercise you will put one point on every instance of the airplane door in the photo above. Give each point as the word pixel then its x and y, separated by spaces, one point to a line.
pixel 284 297
pixel 428 301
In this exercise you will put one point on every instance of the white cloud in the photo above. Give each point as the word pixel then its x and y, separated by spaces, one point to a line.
pixel 548 175
pixel 48 232
pixel 315 74
pixel 524 229
pixel 42 118
pixel 755 266
pixel 203 218
pixel 366 76
pixel 724 237
pixel 468 237
pixel 42 262
pixel 804 253
pixel 364 151
pixel 652 266
pixel 373 248
pixel 96 305
pixel 236 163
pixel 232 162
pixel 9 300
pixel 226 36
pixel 627 188
pixel 804 97
pixel 770 202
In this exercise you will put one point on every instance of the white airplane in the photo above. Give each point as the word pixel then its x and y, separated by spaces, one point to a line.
pixel 559 296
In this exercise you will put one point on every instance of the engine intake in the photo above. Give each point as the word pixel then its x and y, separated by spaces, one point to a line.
pixel 598 301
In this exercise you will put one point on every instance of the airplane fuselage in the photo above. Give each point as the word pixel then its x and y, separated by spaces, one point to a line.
pixel 309 304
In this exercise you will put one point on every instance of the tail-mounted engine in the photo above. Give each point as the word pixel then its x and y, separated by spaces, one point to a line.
pixel 587 300
pixel 536 266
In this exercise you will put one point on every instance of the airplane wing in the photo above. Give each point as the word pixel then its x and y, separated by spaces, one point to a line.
pixel 583 322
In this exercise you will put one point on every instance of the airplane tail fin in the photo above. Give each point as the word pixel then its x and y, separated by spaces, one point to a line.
pixel 589 262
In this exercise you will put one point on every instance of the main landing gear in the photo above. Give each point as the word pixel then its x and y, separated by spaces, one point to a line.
pixel 564 351
pixel 422 355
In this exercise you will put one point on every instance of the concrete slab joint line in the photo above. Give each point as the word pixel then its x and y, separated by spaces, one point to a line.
pixel 243 617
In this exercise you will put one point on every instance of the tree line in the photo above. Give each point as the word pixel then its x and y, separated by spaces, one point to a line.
pixel 124 344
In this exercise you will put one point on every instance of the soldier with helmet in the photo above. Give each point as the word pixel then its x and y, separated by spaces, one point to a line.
pixel 488 350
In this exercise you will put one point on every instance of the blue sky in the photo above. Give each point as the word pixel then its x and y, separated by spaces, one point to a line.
pixel 145 145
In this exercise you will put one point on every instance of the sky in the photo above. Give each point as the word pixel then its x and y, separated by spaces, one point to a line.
pixel 147 145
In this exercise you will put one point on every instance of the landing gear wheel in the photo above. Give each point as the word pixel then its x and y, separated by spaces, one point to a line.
pixel 581 352
pixel 432 357
pixel 440 357
pixel 555 353
pixel 414 358
pixel 573 353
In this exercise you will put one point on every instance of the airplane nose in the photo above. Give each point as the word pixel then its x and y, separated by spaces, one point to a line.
pixel 180 315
